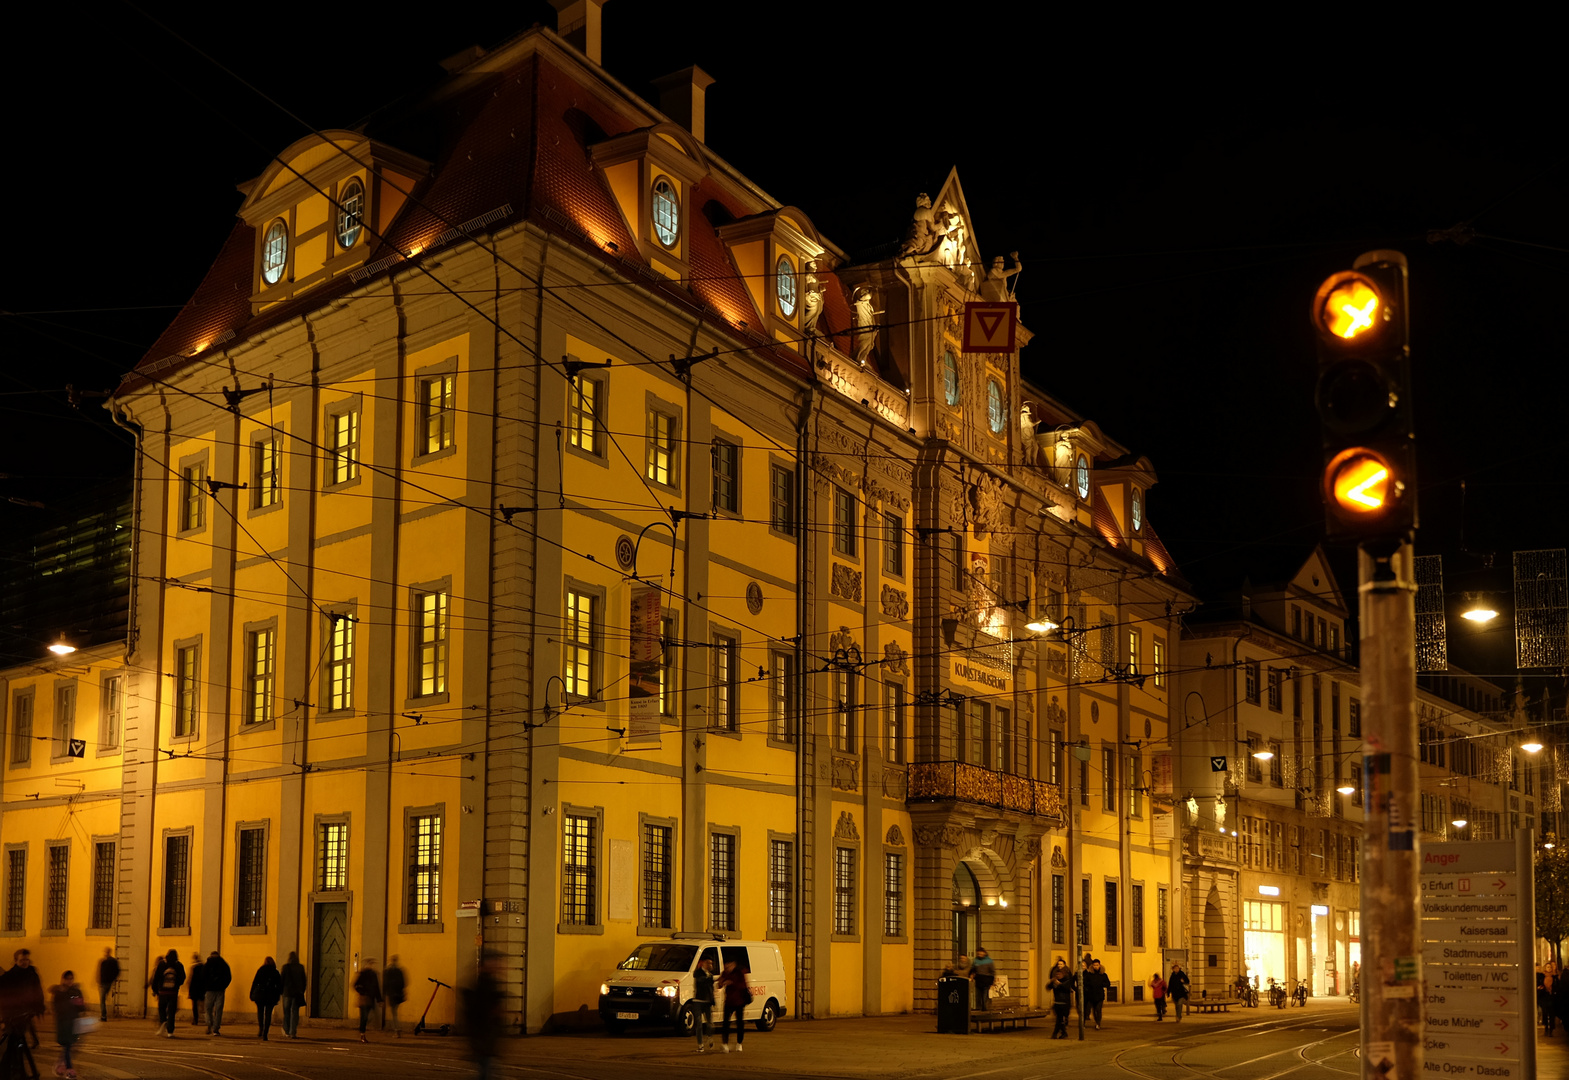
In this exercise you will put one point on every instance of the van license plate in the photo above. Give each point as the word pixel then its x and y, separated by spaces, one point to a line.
pixel 628 1016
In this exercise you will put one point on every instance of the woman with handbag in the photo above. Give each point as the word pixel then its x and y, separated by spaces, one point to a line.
pixel 732 984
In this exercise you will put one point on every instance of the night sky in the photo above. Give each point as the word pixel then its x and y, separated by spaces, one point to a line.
pixel 1175 196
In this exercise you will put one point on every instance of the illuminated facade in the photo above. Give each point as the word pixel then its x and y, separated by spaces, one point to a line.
pixel 548 542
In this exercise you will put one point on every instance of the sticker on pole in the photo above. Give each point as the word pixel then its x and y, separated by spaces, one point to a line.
pixel 990 326
pixel 1381 1060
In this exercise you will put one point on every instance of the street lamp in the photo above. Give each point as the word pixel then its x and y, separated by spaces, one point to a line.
pixel 1532 747
pixel 62 647
pixel 1478 612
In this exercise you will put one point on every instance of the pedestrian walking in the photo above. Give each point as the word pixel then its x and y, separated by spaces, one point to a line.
pixel 266 989
pixel 703 1003
pixel 168 977
pixel 294 980
pixel 368 987
pixel 196 987
pixel 395 989
pixel 66 997
pixel 21 999
pixel 1158 993
pixel 1558 995
pixel 482 1016
pixel 218 977
pixel 961 969
pixel 108 975
pixel 1096 985
pixel 1177 989
pixel 732 984
pixel 1059 984
pixel 984 974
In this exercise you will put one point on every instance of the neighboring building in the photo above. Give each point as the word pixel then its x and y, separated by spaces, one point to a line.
pixel 1272 846
pixel 401 679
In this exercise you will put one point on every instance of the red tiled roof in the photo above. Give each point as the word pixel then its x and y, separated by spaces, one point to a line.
pixel 221 302
pixel 1104 521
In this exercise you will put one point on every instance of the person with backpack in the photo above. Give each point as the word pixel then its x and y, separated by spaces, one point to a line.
pixel 168 977
pixel 216 972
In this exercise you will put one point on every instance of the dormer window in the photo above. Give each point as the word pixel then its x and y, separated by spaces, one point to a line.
pixel 667 213
pixel 351 214
pixel 1081 477
pixel 785 287
pixel 996 415
pixel 1138 510
pixel 275 252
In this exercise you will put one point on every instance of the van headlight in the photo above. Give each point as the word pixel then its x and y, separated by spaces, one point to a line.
pixel 669 991
pixel 604 989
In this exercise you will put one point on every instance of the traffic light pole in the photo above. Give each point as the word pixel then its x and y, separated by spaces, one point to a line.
pixel 1392 998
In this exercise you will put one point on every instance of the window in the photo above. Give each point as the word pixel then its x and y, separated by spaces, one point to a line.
pixel 1112 893
pixel 784 286
pixel 893 723
pixel 667 666
pixel 1002 746
pixel 961 576
pixel 260 649
pixel 1250 681
pixel 657 875
pixel 59 870
pixel 187 696
pixel 721 881
pixel 438 406
pixel 585 397
pixel 1254 766
pixel 1160 917
pixel 1108 764
pixel 1275 689
pixel 15 888
pixel 275 252
pixel 666 212
pixel 1334 640
pixel 332 856
pixel 1135 778
pixel 424 847
pixel 111 711
pixel 580 871
pixel 340 661
pixel 661 464
pixel 430 642
pixel 1296 622
pixel 950 378
pixel 1277 767
pixel 844 522
pixel 781 697
pixel 1084 781
pixel 893 545
pixel 193 502
pixel 893 894
pixel 1354 718
pixel 844 723
pixel 1137 502
pixel 266 473
pixel 64 721
pixel 1058 910
pixel 177 881
pixel 781 499
pixel 727 477
pixel 1054 761
pixel 1136 916
pixel 250 877
pixel 351 213
pixel 975 739
pixel 101 908
pixel 1084 911
pixel 577 646
pixel 996 413
pixel 1082 477
pixel 781 886
pixel 343 447
pixel 1133 653
pixel 726 714
pixel 1158 658
pixel 844 891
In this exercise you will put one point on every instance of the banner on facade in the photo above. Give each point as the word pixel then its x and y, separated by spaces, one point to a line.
pixel 643 679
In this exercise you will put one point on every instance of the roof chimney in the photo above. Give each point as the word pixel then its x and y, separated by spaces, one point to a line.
pixel 578 22
pixel 681 98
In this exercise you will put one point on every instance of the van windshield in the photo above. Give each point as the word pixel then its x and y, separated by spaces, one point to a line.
pixel 661 956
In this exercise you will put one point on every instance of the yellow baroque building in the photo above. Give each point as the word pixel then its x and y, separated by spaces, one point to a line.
pixel 545 541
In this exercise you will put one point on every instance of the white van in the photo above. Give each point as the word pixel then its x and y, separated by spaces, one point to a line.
pixel 654 984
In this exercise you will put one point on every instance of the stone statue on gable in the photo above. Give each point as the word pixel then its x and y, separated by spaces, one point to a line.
pixel 996 288
pixel 812 301
pixel 921 235
pixel 865 323
pixel 952 242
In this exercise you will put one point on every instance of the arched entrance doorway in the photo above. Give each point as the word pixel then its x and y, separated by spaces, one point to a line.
pixel 966 911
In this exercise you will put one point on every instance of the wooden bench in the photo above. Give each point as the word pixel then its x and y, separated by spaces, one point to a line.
pixel 1004 1019
pixel 1209 1005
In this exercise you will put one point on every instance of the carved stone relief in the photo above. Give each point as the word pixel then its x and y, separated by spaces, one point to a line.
pixel 843 641
pixel 1055 713
pixel 846 583
pixel 1057 859
pixel 845 829
pixel 895 838
pixel 895 660
pixel 846 774
pixel 1032 849
pixel 896 783
pixel 895 604
pixel 939 836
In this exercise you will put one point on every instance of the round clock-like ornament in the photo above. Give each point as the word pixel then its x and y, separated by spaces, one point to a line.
pixel 754 597
pixel 626 552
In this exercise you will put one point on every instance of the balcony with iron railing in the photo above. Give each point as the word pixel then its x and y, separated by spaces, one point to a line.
pixel 959 781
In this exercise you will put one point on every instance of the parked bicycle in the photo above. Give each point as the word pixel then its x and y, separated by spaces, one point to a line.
pixel 1277 994
pixel 1356 991
pixel 1245 992
pixel 1299 996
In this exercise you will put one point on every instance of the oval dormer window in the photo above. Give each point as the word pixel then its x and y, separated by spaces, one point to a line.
pixel 275 252
pixel 1081 477
pixel 996 415
pixel 1138 510
pixel 351 213
pixel 784 286
pixel 950 377
pixel 667 212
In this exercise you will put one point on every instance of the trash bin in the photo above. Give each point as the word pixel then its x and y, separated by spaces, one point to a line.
pixel 953 1005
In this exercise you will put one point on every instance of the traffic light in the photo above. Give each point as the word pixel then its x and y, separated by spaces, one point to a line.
pixel 1364 400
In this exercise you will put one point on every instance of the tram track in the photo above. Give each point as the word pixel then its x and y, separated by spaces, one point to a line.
pixel 1170 1058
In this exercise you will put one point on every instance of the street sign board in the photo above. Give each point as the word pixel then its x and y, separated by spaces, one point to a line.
pixel 1480 1044
pixel 1461 1068
pixel 990 326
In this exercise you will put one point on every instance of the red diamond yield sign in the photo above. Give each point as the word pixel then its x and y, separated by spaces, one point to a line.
pixel 990 326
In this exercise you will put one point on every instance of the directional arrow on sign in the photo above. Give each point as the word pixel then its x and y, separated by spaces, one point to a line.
pixel 1502 1048
pixel 1501 1001
pixel 1501 1024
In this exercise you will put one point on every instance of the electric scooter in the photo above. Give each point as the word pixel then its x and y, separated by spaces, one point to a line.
pixel 420 1028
